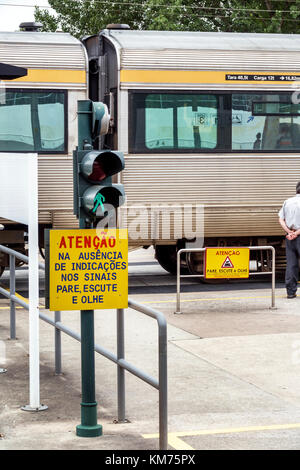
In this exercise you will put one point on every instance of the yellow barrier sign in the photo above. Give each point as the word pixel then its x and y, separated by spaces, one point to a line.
pixel 226 263
pixel 88 269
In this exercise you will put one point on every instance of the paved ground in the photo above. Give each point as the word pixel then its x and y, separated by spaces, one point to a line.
pixel 234 371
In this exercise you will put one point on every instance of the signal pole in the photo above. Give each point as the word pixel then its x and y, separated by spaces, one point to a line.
pixel 94 195
pixel 89 426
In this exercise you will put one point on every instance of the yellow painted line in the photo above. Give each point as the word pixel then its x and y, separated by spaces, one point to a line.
pixel 17 295
pixel 178 444
pixel 7 308
pixel 190 76
pixel 21 298
pixel 54 76
pixel 175 441
pixel 210 299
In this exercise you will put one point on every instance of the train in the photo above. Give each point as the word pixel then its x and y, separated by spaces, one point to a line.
pixel 205 120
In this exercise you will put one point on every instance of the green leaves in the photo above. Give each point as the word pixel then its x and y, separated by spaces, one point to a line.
pixel 86 17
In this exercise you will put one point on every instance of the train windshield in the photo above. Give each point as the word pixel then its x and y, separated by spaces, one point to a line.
pixel 217 122
pixel 32 121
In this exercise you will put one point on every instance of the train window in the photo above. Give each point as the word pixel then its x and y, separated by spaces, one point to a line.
pixel 174 122
pixel 265 122
pixel 33 121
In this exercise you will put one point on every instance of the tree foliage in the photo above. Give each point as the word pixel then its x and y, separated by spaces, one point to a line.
pixel 85 17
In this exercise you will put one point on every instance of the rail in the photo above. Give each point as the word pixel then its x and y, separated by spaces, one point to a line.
pixel 197 250
pixel 119 359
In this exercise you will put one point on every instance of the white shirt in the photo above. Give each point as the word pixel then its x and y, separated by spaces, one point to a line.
pixel 290 212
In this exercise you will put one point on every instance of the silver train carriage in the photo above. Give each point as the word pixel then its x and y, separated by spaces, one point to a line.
pixel 209 124
pixel 204 119
pixel 38 113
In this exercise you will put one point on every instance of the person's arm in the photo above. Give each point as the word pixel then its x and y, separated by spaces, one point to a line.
pixel 290 233
pixel 284 226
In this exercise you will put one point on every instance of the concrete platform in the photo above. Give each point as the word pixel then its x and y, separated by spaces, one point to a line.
pixel 234 376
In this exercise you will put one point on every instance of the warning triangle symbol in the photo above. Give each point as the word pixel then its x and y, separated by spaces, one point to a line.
pixel 227 263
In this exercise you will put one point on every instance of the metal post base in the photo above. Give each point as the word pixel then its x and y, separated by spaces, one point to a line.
pixel 29 408
pixel 88 431
pixel 177 313
pixel 273 308
pixel 89 426
pixel 2 371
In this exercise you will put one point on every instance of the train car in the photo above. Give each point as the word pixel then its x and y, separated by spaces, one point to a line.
pixel 209 119
pixel 205 120
pixel 38 113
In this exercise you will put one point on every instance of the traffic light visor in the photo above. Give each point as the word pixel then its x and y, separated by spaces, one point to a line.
pixel 98 165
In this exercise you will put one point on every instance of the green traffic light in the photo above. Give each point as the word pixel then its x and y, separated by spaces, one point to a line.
pixel 98 200
pixel 95 193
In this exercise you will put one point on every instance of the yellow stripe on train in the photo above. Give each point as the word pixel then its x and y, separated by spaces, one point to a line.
pixel 54 76
pixel 207 76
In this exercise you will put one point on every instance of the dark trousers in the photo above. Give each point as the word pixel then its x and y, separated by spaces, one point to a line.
pixel 292 248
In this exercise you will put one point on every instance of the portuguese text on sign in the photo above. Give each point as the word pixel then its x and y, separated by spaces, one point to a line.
pixel 226 263
pixel 88 269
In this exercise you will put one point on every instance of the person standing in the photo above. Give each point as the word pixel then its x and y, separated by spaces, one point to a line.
pixel 257 143
pixel 289 219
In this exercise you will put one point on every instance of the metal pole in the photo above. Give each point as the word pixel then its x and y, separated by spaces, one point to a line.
pixel 88 426
pixel 18 255
pixel 33 289
pixel 163 386
pixel 163 378
pixel 120 370
pixel 105 353
pixel 178 284
pixel 57 341
pixel 273 278
pixel 12 288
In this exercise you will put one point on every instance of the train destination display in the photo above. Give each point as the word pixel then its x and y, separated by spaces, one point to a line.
pixel 87 269
pixel 225 262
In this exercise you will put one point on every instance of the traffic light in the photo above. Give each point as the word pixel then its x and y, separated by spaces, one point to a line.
pixel 95 195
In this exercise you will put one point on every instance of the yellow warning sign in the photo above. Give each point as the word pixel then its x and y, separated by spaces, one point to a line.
pixel 88 269
pixel 226 263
